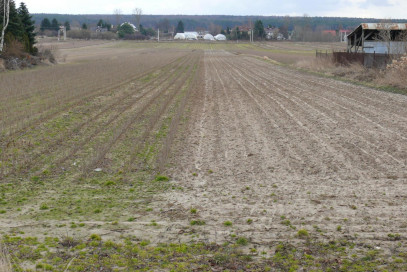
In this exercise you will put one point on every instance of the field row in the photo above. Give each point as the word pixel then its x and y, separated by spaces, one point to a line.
pixel 284 150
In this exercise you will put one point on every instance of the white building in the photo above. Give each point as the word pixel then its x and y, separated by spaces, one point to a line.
pixel 220 37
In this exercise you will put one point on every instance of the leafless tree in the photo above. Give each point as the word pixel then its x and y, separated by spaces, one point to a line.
pixel 384 34
pixel 5 11
pixel 118 16
pixel 137 12
pixel 164 25
pixel 214 29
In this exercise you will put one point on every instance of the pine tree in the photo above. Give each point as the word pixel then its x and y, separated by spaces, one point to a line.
pixel 29 27
pixel 55 24
pixel 45 24
pixel 84 26
pixel 15 27
pixel 180 27
pixel 67 26
pixel 259 29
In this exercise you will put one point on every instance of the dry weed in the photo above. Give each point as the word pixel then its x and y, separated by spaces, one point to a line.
pixel 15 49
pixel 317 64
pixel 5 263
pixel 395 74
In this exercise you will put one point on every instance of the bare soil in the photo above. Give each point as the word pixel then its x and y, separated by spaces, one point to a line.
pixel 252 149
pixel 289 150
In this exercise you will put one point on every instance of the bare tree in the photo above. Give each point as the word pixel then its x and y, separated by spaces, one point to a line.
pixel 118 16
pixel 137 12
pixel 5 7
pixel 384 34
pixel 214 29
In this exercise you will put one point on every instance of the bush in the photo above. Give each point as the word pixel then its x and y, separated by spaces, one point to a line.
pixel 104 35
pixel 47 53
pixel 135 36
pixel 79 34
pixel 13 48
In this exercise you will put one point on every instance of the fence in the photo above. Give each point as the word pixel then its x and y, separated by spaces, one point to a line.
pixel 378 61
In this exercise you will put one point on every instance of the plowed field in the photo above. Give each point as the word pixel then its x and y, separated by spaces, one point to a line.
pixel 200 144
pixel 285 149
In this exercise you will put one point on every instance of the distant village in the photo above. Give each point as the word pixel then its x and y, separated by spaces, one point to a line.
pixel 251 31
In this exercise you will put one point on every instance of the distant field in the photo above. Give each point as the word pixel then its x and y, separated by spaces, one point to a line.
pixel 284 52
pixel 199 156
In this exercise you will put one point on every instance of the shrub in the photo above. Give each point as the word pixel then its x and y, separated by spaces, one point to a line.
pixel 104 35
pixel 13 48
pixel 47 53
pixel 79 34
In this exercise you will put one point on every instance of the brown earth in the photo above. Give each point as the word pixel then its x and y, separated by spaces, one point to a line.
pixel 255 140
pixel 270 144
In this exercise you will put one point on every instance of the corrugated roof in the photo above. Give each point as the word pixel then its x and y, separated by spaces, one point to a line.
pixel 387 26
pixel 379 26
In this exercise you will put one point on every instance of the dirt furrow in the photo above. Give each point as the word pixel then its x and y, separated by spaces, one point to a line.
pixel 270 87
pixel 76 101
pixel 369 135
pixel 379 116
pixel 174 89
pixel 195 83
pixel 139 102
pixel 308 167
pixel 120 104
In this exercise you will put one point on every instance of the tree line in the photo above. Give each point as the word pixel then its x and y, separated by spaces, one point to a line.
pixel 193 22
pixel 20 27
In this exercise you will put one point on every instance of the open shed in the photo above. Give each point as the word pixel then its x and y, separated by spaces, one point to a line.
pixel 381 38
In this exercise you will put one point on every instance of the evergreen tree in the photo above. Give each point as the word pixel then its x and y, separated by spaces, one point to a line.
pixel 55 24
pixel 84 26
pixel 15 29
pixel 125 30
pixel 108 26
pixel 45 24
pixel 142 30
pixel 259 29
pixel 15 26
pixel 29 27
pixel 228 30
pixel 104 24
pixel 180 27
pixel 67 26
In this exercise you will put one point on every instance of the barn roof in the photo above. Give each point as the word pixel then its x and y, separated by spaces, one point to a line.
pixel 379 26
pixel 370 31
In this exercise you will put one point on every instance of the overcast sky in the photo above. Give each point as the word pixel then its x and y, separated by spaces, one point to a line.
pixel 394 9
